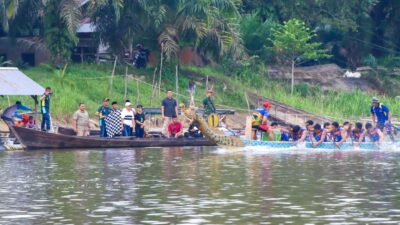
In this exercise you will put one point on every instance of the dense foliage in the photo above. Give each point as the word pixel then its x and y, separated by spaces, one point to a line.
pixel 354 32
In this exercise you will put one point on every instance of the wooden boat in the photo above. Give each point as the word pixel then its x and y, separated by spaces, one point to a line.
pixel 34 139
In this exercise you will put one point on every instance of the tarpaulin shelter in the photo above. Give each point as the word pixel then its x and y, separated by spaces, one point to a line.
pixel 13 82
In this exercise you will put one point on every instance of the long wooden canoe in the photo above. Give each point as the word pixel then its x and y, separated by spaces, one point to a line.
pixel 34 139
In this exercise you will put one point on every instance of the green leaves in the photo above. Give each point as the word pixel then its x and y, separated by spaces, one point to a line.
pixel 294 41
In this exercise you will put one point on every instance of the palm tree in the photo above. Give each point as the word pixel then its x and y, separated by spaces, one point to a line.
pixel 9 9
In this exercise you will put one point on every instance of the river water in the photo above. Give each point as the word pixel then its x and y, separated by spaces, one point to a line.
pixel 199 186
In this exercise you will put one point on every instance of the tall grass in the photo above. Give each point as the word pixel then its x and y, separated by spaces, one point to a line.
pixel 90 84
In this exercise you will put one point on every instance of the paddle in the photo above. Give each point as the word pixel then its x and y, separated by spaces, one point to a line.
pixel 390 132
pixel 311 139
pixel 334 143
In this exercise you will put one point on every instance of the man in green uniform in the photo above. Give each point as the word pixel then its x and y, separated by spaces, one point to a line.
pixel 208 104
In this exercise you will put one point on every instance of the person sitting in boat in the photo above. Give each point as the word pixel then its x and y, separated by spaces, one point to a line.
pixel 175 128
pixel 319 134
pixel 298 134
pixel 356 132
pixel 260 119
pixel 193 131
pixel 373 134
pixel 23 121
pixel 309 125
pixel 327 127
pixel 338 134
pixel 276 133
pixel 31 123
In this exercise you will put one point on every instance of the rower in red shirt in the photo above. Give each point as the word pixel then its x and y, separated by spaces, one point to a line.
pixel 175 128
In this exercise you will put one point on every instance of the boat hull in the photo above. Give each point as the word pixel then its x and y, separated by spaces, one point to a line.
pixel 33 139
pixel 308 145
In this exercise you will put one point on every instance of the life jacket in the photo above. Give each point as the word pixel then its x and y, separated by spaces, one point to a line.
pixel 297 136
pixel 380 120
pixel 256 119
pixel 373 136
pixel 277 133
pixel 284 136
pixel 318 137
pixel 337 135
pixel 355 136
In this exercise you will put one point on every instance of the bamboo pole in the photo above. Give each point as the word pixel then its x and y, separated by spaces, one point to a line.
pixel 126 82
pixel 137 91
pixel 177 83
pixel 112 75
pixel 207 83
pixel 161 68
pixel 154 86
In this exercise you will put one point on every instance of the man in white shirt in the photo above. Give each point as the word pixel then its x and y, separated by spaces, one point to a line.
pixel 128 115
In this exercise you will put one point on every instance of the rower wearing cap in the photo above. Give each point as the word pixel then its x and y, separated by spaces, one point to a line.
pixel 380 114
pixel 102 112
pixel 260 119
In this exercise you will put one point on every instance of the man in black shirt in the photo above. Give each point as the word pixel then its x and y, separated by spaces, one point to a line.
pixel 139 122
pixel 169 109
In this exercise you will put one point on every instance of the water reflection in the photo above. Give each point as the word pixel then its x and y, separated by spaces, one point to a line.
pixel 198 185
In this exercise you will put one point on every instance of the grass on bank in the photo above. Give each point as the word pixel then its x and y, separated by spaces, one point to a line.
pixel 90 83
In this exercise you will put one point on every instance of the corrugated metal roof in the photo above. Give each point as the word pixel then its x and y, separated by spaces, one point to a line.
pixel 14 82
pixel 86 28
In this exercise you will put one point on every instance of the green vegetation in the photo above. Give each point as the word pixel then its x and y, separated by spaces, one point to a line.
pixel 239 38
pixel 90 83
pixel 293 43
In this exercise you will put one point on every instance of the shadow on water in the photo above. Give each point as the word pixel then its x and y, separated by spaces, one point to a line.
pixel 198 185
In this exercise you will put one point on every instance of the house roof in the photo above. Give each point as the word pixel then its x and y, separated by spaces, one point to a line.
pixel 14 82
pixel 86 28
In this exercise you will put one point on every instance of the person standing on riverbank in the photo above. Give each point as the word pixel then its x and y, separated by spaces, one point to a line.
pixel 169 109
pixel 45 109
pixel 208 104
pixel 81 121
pixel 380 114
pixel 102 112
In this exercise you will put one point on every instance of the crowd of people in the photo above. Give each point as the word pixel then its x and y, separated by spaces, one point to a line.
pixel 132 122
pixel 328 132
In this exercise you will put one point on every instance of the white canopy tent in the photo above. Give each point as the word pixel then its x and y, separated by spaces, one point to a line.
pixel 15 83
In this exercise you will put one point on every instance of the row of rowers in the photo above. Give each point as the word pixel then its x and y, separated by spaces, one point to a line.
pixel 317 133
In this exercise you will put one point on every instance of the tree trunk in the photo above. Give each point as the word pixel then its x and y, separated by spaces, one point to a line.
pixel 292 89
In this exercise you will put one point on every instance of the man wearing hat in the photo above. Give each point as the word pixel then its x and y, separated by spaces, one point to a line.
pixel 260 119
pixel 128 116
pixel 208 104
pixel 102 112
pixel 380 114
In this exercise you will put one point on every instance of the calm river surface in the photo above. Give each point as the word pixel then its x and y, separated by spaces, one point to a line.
pixel 199 186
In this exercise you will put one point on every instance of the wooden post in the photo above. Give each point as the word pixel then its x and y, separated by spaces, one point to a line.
pixel 161 68
pixel 207 83
pixel 247 131
pixel 248 104
pixel 137 93
pixel 112 75
pixel 126 82
pixel 154 86
pixel 177 83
